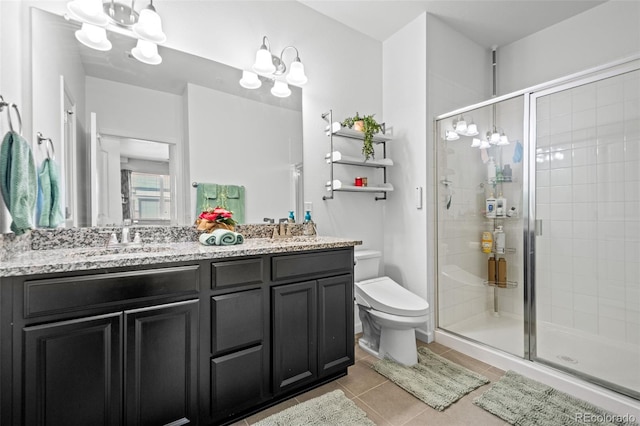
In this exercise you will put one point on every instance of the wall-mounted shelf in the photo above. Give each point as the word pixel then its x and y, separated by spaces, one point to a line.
pixel 338 185
pixel 334 129
pixel 340 158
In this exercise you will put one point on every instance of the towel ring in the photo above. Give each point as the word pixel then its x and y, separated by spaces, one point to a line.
pixel 50 154
pixel 4 104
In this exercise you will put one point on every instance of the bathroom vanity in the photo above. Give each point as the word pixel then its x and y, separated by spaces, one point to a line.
pixel 186 334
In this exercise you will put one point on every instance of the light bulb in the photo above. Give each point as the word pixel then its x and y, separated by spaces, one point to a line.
pixel 93 37
pixel 450 135
pixel 461 126
pixel 296 74
pixel 495 138
pixel 484 144
pixel 280 89
pixel 475 143
pixel 264 62
pixel 88 11
pixel 250 80
pixel 146 52
pixel 149 26
pixel 472 129
pixel 503 140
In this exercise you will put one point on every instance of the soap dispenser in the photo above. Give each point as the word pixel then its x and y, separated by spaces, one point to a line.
pixel 292 218
pixel 308 226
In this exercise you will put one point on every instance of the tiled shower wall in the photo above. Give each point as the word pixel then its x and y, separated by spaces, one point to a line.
pixel 588 199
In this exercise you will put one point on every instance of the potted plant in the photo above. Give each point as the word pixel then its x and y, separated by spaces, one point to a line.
pixel 369 126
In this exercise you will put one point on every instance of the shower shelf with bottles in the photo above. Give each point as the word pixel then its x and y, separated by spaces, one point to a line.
pixel 334 157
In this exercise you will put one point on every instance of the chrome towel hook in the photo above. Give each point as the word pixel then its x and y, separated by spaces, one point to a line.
pixel 9 106
pixel 50 154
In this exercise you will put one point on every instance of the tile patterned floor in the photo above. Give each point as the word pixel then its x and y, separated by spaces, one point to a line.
pixel 386 404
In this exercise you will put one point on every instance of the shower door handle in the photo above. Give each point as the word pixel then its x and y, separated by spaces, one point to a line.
pixel 538 227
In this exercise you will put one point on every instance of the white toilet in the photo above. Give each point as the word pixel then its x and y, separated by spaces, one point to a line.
pixel 389 313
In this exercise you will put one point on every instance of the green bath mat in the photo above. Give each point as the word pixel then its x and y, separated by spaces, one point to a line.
pixel 434 380
pixel 332 408
pixel 526 402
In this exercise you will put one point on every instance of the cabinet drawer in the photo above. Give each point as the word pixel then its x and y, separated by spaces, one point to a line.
pixel 60 295
pixel 236 320
pixel 301 265
pixel 236 272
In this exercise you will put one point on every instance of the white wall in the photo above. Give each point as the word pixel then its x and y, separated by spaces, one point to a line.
pixel 429 69
pixel 344 73
pixel 597 36
pixel 405 108
pixel 237 141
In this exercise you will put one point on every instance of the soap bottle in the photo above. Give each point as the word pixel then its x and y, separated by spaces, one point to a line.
pixel 487 242
pixel 491 206
pixel 501 206
pixel 507 173
pixel 308 228
pixel 499 239
pixel 491 271
pixel 491 170
pixel 292 218
pixel 502 272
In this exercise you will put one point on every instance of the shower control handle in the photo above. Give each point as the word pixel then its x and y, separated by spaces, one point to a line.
pixel 538 227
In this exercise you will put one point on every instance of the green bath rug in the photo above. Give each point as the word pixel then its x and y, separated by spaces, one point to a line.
pixel 332 408
pixel 434 380
pixel 526 402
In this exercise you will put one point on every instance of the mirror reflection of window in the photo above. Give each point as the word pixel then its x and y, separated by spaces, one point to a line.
pixel 150 198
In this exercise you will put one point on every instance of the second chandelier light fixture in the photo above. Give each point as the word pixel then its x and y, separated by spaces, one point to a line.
pixel 272 66
pixel 96 15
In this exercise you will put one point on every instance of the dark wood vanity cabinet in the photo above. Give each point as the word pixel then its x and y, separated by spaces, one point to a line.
pixel 202 343
pixel 107 349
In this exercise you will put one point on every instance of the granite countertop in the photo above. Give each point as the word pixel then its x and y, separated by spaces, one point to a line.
pixel 76 259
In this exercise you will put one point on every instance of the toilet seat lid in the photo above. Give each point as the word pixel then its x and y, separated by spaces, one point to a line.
pixel 385 295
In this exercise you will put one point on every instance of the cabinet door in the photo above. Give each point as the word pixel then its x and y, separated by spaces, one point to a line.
pixel 236 381
pixel 335 324
pixel 294 334
pixel 160 370
pixel 72 372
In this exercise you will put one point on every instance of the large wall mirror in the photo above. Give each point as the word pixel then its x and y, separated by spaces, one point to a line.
pixel 131 139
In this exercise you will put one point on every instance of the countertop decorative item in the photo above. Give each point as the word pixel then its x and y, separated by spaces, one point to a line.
pixel 217 218
pixel 369 126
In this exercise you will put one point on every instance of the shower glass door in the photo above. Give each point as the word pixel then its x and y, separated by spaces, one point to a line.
pixel 477 301
pixel 587 221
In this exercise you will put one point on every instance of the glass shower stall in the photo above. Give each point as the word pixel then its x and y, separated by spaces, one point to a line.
pixel 538 225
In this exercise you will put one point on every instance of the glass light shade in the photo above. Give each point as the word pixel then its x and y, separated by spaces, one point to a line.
pixel 484 144
pixel 450 135
pixel 296 74
pixel 461 127
pixel 93 37
pixel 88 11
pixel 472 129
pixel 149 26
pixel 475 143
pixel 146 52
pixel 504 140
pixel 280 89
pixel 250 80
pixel 495 138
pixel 264 62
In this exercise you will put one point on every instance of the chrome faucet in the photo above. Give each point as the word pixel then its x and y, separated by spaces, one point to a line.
pixel 268 220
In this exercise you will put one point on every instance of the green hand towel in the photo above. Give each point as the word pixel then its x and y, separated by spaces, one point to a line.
pixel 18 181
pixel 239 238
pixel 207 239
pixel 50 212
pixel 224 237
pixel 206 197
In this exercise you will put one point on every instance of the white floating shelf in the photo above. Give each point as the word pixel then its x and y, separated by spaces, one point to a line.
pixel 339 158
pixel 338 185
pixel 339 130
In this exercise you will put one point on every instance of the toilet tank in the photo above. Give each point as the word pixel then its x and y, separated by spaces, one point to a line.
pixel 367 264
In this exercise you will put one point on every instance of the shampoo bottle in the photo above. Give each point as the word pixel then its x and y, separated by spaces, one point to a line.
pixel 491 271
pixel 499 239
pixel 491 206
pixel 502 272
pixel 487 242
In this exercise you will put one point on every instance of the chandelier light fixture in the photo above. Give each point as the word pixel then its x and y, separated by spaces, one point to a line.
pixel 97 15
pixel 273 67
